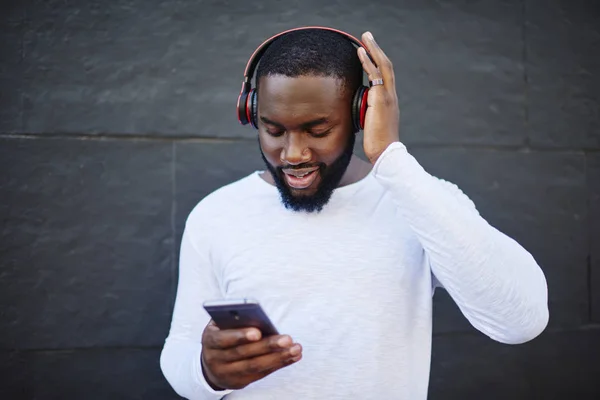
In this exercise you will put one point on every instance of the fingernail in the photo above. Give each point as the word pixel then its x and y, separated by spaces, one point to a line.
pixel 295 350
pixel 370 36
pixel 283 342
pixel 253 335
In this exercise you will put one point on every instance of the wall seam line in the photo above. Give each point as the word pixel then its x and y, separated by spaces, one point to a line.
pixel 173 214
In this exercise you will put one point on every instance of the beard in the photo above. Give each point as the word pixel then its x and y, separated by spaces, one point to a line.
pixel 330 175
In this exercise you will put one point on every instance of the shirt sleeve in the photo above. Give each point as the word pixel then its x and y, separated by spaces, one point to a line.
pixel 495 282
pixel 180 359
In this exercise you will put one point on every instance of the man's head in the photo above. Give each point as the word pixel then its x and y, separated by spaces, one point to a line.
pixel 305 82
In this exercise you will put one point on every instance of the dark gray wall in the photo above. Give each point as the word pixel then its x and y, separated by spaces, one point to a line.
pixel 117 117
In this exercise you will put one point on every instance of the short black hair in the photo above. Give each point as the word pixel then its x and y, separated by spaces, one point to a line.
pixel 312 52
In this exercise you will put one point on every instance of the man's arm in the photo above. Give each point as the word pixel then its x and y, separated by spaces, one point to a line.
pixel 180 359
pixel 496 283
pixel 198 358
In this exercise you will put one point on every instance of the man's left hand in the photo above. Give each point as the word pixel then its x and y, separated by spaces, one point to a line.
pixel 383 115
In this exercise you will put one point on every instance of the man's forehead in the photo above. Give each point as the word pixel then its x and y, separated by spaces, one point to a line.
pixel 315 90
pixel 312 82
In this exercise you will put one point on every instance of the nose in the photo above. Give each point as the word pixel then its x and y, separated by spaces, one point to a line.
pixel 295 151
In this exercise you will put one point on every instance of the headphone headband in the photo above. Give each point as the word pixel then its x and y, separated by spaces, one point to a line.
pixel 247 104
pixel 255 57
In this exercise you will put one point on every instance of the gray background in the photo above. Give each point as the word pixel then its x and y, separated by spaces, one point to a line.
pixel 118 116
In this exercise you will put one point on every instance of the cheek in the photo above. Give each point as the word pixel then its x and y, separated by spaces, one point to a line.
pixel 271 148
pixel 329 149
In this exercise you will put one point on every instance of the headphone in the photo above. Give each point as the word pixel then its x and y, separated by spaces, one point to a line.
pixel 247 107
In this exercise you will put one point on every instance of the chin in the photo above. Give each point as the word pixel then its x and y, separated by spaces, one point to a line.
pixel 299 193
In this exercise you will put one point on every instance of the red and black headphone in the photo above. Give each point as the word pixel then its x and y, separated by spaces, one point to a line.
pixel 247 107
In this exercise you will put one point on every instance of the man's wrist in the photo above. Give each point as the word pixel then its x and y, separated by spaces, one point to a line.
pixel 392 147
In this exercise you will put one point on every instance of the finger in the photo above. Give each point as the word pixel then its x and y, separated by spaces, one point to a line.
pixel 289 361
pixel 370 69
pixel 265 346
pixel 266 364
pixel 212 326
pixel 223 339
pixel 381 59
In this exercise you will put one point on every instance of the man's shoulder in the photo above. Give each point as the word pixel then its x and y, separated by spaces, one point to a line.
pixel 225 198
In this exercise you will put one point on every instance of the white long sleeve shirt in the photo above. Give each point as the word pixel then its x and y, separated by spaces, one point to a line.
pixel 352 284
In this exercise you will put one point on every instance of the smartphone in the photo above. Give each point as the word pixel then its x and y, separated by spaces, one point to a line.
pixel 240 313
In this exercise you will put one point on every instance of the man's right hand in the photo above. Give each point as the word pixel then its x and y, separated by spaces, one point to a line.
pixel 234 358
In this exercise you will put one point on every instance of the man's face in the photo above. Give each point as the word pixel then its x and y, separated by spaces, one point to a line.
pixel 306 137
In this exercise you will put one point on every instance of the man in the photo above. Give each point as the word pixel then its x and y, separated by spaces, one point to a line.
pixel 342 254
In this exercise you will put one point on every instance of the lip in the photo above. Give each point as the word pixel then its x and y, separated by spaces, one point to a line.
pixel 301 171
pixel 300 182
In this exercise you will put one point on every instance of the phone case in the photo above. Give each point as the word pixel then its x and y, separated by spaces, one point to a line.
pixel 241 315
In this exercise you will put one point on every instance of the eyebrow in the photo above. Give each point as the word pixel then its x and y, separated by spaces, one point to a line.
pixel 306 125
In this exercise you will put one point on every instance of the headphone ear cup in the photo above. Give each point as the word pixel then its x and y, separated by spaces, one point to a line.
pixel 242 117
pixel 254 108
pixel 359 108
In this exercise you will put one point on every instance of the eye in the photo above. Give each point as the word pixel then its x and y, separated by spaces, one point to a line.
pixel 274 133
pixel 320 134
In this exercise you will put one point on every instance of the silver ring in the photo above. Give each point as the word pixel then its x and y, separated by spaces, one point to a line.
pixel 376 82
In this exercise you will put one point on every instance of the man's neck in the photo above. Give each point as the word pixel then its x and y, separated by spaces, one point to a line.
pixel 357 170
